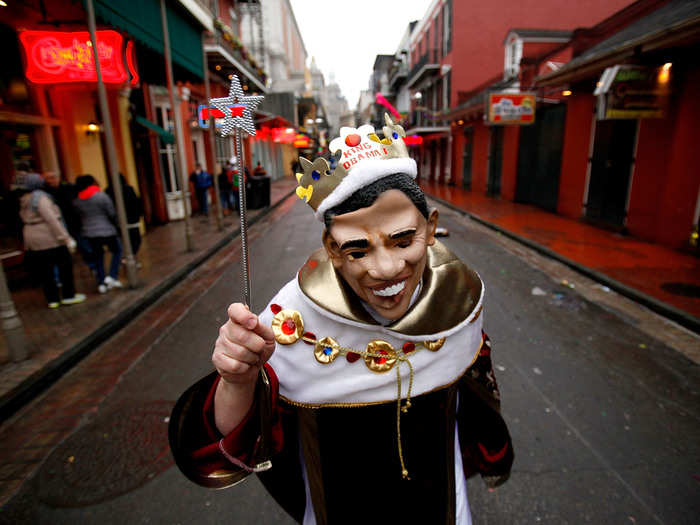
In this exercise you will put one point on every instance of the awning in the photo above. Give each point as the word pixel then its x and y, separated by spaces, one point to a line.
pixel 141 19
pixel 165 136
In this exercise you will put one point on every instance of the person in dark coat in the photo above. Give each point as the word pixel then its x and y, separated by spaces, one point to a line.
pixel 202 181
pixel 134 211
pixel 226 190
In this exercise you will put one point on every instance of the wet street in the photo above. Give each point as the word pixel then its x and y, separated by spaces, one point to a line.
pixel 605 418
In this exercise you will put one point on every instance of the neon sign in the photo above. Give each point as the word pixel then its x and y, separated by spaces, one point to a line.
pixel 58 57
pixel 413 140
pixel 203 113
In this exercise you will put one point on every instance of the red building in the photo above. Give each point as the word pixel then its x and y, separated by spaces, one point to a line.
pixel 617 114
pixel 455 51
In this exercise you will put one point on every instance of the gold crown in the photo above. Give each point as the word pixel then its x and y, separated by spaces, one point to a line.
pixel 359 157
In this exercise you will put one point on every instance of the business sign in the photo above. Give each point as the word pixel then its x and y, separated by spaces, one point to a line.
pixel 204 112
pixel 511 108
pixel 54 57
pixel 630 91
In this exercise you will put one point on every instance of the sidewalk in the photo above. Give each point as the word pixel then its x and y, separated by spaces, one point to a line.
pixel 63 336
pixel 646 272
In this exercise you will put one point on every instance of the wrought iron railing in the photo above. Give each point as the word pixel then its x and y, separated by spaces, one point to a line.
pixel 431 57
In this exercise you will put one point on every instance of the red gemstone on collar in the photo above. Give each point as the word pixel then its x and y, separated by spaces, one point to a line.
pixel 309 335
pixel 408 347
pixel 352 357
pixel 289 327
pixel 352 140
pixel 275 308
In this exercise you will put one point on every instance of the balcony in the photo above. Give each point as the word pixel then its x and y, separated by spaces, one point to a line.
pixel 427 65
pixel 397 75
pixel 423 121
pixel 227 55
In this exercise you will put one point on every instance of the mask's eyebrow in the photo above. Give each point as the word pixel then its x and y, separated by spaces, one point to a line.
pixel 402 234
pixel 355 243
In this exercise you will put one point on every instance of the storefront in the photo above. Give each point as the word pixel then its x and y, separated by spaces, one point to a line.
pixel 628 160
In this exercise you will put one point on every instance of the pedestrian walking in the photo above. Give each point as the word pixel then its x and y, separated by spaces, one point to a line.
pixel 235 181
pixel 47 242
pixel 98 219
pixel 134 211
pixel 226 190
pixel 259 171
pixel 202 181
pixel 370 368
pixel 63 194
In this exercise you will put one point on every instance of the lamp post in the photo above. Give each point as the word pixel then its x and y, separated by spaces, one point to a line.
pixel 212 144
pixel 112 153
pixel 11 323
pixel 178 124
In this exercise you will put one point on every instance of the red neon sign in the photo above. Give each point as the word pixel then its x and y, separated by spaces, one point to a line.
pixel 236 111
pixel 413 140
pixel 58 57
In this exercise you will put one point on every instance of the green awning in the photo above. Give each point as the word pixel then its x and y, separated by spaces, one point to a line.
pixel 141 19
pixel 165 136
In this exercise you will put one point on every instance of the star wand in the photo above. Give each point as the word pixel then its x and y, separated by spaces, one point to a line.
pixel 238 110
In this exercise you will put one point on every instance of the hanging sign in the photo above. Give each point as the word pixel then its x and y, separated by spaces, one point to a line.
pixel 58 57
pixel 511 108
pixel 627 91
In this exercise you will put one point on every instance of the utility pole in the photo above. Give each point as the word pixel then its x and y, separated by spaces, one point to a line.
pixel 175 108
pixel 212 143
pixel 11 323
pixel 112 153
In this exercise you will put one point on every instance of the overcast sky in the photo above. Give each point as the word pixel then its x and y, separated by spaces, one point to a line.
pixel 346 36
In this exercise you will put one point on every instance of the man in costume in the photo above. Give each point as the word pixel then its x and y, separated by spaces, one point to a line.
pixel 364 392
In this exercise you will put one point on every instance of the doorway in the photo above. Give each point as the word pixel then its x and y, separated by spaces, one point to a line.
pixel 467 152
pixel 611 171
pixel 493 187
pixel 168 160
pixel 539 158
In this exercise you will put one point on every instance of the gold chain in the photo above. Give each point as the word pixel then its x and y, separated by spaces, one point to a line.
pixel 401 357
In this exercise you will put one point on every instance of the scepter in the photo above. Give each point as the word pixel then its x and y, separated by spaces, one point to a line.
pixel 238 111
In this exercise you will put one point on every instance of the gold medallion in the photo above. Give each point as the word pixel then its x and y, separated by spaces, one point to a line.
pixel 434 346
pixel 326 350
pixel 287 326
pixel 385 362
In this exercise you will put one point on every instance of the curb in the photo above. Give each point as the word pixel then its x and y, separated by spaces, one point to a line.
pixel 40 380
pixel 671 312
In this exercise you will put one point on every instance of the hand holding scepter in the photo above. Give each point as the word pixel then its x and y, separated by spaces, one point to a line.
pixel 238 110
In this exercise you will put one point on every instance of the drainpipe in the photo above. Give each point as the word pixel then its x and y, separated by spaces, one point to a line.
pixel 212 139
pixel 112 154
pixel 175 108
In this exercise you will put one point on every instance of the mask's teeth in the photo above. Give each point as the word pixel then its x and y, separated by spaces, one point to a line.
pixel 390 290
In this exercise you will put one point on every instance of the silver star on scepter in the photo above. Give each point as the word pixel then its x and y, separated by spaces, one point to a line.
pixel 238 110
pixel 232 105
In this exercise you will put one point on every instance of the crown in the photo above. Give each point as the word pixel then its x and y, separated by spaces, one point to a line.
pixel 359 157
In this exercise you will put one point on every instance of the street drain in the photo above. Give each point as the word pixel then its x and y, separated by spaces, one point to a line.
pixel 115 454
pixel 682 289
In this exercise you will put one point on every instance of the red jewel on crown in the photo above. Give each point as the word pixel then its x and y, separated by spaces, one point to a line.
pixel 352 140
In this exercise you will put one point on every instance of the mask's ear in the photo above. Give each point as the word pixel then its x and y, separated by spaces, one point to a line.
pixel 332 249
pixel 432 225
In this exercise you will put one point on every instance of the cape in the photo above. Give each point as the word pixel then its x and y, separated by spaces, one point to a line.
pixel 442 328
pixel 332 408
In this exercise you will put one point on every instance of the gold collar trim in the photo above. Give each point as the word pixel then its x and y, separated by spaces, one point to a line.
pixel 451 291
